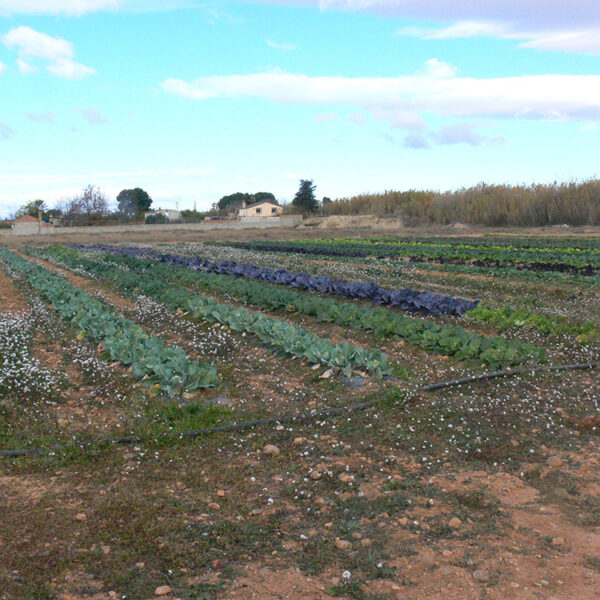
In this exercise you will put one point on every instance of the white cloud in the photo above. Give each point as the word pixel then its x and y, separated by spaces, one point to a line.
pixel 326 117
pixel 6 131
pixel 2 67
pixel 30 42
pixel 55 7
pixel 401 100
pixel 46 117
pixel 438 68
pixel 34 44
pixel 281 46
pixel 69 69
pixel 25 67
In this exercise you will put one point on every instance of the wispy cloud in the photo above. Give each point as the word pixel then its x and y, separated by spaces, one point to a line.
pixel 357 118
pixel 6 132
pixel 416 141
pixel 402 100
pixel 75 8
pixel 326 117
pixel 93 115
pixel 45 117
pixel 462 133
pixel 541 24
pixel 195 171
pixel 34 44
pixel 69 69
pixel 286 47
pixel 25 67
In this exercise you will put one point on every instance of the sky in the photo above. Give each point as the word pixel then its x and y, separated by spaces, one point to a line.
pixel 194 100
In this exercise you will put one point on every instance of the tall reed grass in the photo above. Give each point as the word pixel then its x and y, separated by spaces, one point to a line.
pixel 573 203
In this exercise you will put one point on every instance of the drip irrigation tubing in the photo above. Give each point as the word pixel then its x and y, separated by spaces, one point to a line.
pixel 301 417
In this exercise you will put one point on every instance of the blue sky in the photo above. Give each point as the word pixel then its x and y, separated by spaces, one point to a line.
pixel 192 101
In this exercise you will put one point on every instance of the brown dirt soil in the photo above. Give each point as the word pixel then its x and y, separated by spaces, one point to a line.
pixel 10 298
pixel 362 228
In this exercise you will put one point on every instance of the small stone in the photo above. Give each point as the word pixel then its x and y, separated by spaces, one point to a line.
pixel 329 373
pixel 365 542
pixel 140 565
pixel 345 477
pixel 446 553
pixel 558 541
pixel 299 441
pixel 343 544
pixel 454 523
pixel 221 493
pixel 214 506
pixel 315 475
pixel 561 492
pixel 554 461
pixel 481 575
pixel 80 517
pixel 163 590
pixel 271 450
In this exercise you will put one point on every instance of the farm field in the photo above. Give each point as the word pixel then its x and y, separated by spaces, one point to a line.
pixel 256 418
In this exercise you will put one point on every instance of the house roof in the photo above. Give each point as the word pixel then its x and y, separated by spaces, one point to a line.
pixel 26 219
pixel 262 202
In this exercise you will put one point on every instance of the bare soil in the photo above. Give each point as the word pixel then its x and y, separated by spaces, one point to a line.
pixel 488 491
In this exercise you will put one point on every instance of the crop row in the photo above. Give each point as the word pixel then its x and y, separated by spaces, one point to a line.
pixel 148 357
pixel 531 245
pixel 431 336
pixel 518 258
pixel 506 317
pixel 405 299
pixel 288 337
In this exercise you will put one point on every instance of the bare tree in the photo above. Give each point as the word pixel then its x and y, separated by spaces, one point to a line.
pixel 88 208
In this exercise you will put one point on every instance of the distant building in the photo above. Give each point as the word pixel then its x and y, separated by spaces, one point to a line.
pixel 27 225
pixel 261 209
pixel 171 215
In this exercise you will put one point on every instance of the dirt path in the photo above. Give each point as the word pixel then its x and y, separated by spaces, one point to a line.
pixel 11 300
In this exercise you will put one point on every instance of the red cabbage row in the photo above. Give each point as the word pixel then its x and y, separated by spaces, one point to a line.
pixel 405 299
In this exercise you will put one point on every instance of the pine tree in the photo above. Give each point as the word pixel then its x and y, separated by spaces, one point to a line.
pixel 305 198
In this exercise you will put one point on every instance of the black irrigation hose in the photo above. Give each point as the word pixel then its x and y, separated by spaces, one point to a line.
pixel 313 416
pixel 508 373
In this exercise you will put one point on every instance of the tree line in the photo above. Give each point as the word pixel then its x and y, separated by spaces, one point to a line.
pixel 91 206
